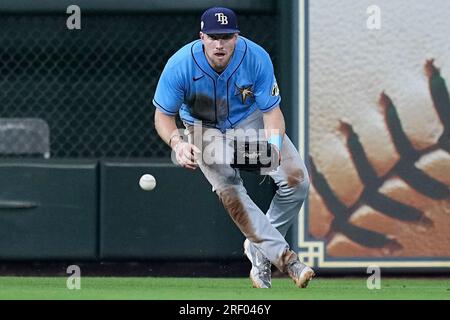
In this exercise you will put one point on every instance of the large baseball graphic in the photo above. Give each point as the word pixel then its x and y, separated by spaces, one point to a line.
pixel 380 129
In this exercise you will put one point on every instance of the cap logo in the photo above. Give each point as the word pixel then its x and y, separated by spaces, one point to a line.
pixel 222 18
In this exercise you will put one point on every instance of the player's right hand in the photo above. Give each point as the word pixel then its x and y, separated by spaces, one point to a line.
pixel 186 154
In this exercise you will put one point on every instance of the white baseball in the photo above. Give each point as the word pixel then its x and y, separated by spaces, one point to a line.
pixel 147 182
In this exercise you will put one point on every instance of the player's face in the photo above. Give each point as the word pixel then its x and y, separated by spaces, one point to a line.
pixel 219 48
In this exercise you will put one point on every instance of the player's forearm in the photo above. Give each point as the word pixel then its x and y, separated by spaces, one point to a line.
pixel 167 128
pixel 274 126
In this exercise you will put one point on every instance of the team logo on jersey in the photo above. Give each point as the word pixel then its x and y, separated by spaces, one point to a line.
pixel 222 18
pixel 245 92
pixel 275 90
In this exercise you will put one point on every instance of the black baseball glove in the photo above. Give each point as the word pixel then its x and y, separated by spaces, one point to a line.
pixel 255 155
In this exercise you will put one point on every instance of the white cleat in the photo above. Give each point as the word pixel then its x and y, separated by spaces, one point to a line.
pixel 300 273
pixel 261 272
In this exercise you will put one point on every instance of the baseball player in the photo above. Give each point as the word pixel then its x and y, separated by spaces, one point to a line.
pixel 223 87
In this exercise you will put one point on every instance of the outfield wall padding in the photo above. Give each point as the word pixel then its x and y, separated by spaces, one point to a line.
pixel 48 210
pixel 180 219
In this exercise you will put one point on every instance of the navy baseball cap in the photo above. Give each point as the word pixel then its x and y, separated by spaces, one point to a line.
pixel 219 20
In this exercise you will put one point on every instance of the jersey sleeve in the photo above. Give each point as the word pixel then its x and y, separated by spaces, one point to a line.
pixel 267 94
pixel 169 94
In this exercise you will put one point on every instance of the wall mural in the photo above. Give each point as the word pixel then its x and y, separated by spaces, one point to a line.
pixel 379 138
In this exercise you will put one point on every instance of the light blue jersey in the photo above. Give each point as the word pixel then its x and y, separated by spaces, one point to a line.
pixel 190 86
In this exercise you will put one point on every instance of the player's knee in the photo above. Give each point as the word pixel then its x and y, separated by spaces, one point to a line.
pixel 301 190
pixel 229 195
pixel 297 184
pixel 297 176
pixel 226 182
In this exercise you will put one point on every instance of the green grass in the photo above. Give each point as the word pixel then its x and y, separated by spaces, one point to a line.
pixel 98 288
